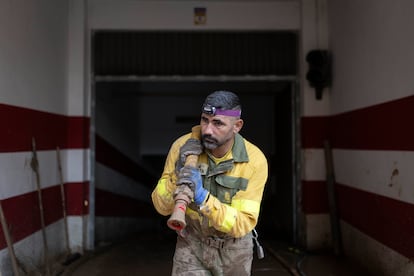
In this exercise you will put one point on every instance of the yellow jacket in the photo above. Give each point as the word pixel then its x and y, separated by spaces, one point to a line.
pixel 235 184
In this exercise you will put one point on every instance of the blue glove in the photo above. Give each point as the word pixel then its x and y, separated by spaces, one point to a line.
pixel 191 176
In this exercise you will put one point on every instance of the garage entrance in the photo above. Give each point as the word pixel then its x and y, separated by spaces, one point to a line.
pixel 148 90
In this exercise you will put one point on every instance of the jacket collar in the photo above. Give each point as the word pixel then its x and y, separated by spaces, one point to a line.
pixel 239 149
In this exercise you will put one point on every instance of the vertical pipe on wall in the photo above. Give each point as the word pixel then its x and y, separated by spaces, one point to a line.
pixel 89 89
pixel 296 191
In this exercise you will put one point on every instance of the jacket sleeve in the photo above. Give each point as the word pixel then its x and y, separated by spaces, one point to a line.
pixel 242 215
pixel 162 195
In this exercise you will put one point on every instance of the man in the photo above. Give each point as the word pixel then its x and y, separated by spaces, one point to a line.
pixel 227 185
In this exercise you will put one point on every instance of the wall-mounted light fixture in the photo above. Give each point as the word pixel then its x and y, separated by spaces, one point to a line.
pixel 319 73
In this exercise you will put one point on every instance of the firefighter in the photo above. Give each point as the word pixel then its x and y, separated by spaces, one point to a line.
pixel 228 186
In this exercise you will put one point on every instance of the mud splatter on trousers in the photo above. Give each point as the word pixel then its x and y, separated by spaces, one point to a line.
pixel 213 256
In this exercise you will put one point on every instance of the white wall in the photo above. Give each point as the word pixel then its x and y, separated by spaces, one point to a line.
pixel 314 35
pixel 78 86
pixel 372 46
pixel 33 53
pixel 373 53
pixel 33 75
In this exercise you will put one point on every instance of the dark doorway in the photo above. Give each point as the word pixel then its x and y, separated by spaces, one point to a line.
pixel 162 111
pixel 149 87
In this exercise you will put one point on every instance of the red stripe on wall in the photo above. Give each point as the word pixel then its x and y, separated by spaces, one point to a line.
pixel 385 126
pixel 76 196
pixel 77 132
pixel 19 125
pixel 111 157
pixel 23 213
pixel 314 131
pixel 389 221
pixel 314 197
pixel 115 205
pixel 22 216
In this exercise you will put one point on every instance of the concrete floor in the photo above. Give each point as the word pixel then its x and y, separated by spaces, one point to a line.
pixel 145 255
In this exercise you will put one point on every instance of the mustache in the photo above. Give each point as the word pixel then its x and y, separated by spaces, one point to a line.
pixel 209 137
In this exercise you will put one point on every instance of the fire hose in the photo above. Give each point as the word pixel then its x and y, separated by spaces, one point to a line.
pixel 183 194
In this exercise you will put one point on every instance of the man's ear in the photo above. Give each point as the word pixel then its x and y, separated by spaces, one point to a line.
pixel 238 125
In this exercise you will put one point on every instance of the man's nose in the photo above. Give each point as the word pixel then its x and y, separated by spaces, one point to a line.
pixel 208 129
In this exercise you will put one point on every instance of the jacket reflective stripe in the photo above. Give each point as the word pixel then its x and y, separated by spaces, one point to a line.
pixel 162 188
pixel 229 219
pixel 246 205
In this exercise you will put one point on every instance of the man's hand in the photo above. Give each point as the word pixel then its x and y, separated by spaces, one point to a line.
pixel 191 147
pixel 191 176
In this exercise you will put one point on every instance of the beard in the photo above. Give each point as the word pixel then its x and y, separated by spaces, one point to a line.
pixel 209 142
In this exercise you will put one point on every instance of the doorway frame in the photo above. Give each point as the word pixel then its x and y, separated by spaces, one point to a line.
pixel 297 224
